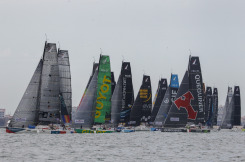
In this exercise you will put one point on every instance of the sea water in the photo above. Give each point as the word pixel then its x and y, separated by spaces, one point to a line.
pixel 116 147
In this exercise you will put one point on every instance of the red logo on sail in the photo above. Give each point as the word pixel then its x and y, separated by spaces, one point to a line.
pixel 186 104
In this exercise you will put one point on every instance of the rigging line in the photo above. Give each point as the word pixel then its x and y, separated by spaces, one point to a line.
pixel 101 52
pixel 46 37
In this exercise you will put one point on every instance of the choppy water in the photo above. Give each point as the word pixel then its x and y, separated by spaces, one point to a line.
pixel 116 147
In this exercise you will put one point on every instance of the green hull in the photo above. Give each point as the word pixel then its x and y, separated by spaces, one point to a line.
pixel 92 131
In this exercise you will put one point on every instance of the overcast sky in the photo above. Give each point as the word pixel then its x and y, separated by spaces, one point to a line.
pixel 154 35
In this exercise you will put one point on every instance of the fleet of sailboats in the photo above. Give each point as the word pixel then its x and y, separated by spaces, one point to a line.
pixel 106 105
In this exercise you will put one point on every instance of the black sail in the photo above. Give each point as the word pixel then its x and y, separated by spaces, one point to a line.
pixel 215 106
pixel 127 92
pixel 116 103
pixel 208 106
pixel 162 88
pixel 196 88
pixel 113 83
pixel 167 101
pixel 141 111
pixel 237 106
pixel 181 109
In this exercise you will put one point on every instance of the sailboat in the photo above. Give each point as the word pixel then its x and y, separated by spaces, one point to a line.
pixel 123 96
pixel 141 110
pixel 169 97
pixel 41 102
pixel 161 91
pixel 228 110
pixel 232 113
pixel 95 107
pixel 187 108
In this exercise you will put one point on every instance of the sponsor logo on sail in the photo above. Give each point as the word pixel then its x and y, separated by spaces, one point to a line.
pixel 166 100
pixel 185 102
pixel 50 50
pixel 104 61
pixel 194 62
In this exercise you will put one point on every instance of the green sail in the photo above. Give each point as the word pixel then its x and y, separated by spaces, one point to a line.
pixel 103 102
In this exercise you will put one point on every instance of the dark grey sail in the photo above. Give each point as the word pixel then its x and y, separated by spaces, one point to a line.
pixel 86 110
pixel 49 111
pixel 227 118
pixel 196 88
pixel 141 110
pixel 215 106
pixel 27 111
pixel 181 110
pixel 237 106
pixel 116 103
pixel 128 92
pixel 95 66
pixel 167 101
pixel 65 79
pixel 161 91
pixel 208 106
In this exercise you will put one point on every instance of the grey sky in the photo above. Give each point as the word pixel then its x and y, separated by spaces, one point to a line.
pixel 154 35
